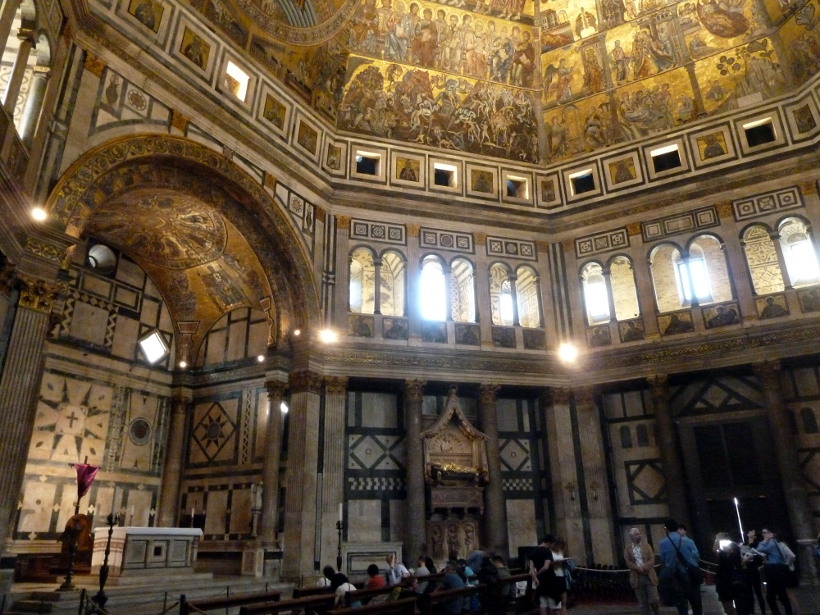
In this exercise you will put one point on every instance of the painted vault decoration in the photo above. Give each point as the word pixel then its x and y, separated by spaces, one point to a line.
pixel 464 75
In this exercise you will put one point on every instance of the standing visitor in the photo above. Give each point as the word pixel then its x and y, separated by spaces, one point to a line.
pixel 640 559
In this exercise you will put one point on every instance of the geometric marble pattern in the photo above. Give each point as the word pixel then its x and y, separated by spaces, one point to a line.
pixel 214 429
pixel 593 244
pixel 375 452
pixel 750 207
pixel 525 250
pixel 680 223
pixel 515 455
pixel 645 482
pixel 385 233
pixel 448 240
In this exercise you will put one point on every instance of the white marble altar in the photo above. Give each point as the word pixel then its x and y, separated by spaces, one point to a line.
pixel 146 550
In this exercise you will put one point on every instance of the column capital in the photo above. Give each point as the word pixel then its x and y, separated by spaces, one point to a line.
pixel 343 223
pixel 275 388
pixel 305 382
pixel 39 295
pixel 658 381
pixel 584 396
pixel 414 389
pixel 8 278
pixel 556 395
pixel 336 385
pixel 767 370
pixel 488 393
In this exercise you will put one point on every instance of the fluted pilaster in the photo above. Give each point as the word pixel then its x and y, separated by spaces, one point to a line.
pixel 270 466
pixel 416 535
pixel 495 514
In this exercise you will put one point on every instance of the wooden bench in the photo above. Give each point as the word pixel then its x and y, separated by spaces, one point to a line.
pixel 213 604
pixel 302 592
pixel 406 606
pixel 428 601
pixel 306 604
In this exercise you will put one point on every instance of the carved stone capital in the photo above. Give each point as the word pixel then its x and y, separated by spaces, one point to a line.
pixel 94 65
pixel 413 230
pixel 336 385
pixel 179 121
pixel 488 393
pixel 40 296
pixel 8 278
pixel 584 396
pixel 343 223
pixel 558 396
pixel 414 389
pixel 768 372
pixel 276 389
pixel 306 382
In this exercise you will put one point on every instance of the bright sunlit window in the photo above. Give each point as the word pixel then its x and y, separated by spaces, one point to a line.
pixel 432 290
pixel 699 279
pixel 153 347
pixel 595 294
pixel 505 304
pixel 237 80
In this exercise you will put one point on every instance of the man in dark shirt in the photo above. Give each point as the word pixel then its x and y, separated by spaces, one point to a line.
pixel 541 572
pixel 450 580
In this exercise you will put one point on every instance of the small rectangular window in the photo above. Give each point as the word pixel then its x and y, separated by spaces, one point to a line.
pixel 236 81
pixel 516 187
pixel 444 175
pixel 665 158
pixel 760 132
pixel 367 164
pixel 582 182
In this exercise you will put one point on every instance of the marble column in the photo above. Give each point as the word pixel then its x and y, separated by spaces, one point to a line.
pixel 416 532
pixel 168 513
pixel 673 471
pixel 593 482
pixel 7 20
pixel 19 388
pixel 19 71
pixel 270 466
pixel 34 103
pixel 301 476
pixel 333 464
pixel 788 462
pixel 495 512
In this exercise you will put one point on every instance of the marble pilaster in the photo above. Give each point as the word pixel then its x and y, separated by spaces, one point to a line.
pixel 333 463
pixel 167 515
pixel 495 514
pixel 416 534
pixel 788 463
pixel 270 466
pixel 673 471
pixel 301 483
pixel 593 484
pixel 19 71
pixel 19 389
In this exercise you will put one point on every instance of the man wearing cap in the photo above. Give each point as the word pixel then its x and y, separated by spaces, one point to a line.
pixel 678 552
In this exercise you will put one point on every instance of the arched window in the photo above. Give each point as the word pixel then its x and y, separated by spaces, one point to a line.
pixel 596 297
pixel 529 304
pixel 711 283
pixel 362 282
pixel 501 299
pixel 809 420
pixel 626 436
pixel 761 259
pixel 642 435
pixel 798 252
pixel 462 290
pixel 704 274
pixel 624 290
pixel 392 284
pixel 432 289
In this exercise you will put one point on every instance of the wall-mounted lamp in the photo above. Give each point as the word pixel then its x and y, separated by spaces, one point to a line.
pixel 593 490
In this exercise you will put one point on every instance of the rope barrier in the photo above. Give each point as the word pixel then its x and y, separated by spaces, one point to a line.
pixel 173 606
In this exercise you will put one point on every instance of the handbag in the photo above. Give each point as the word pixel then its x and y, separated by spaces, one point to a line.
pixel 791 576
pixel 669 587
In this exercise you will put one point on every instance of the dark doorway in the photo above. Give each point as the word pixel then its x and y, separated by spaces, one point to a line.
pixel 728 459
